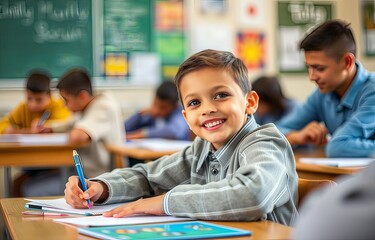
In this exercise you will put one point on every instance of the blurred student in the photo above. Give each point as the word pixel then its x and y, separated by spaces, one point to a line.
pixel 98 121
pixel 273 105
pixel 228 173
pixel 163 119
pixel 344 100
pixel 39 113
pixel 24 118
pixel 344 212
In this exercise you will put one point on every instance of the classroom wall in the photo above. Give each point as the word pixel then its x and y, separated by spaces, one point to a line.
pixel 295 85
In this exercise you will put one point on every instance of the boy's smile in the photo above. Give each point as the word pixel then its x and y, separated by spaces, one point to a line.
pixel 215 107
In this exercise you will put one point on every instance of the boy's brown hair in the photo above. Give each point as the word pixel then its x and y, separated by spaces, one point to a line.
pixel 215 59
pixel 75 81
pixel 38 81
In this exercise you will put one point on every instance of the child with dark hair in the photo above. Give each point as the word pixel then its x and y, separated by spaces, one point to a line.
pixel 163 119
pixel 344 100
pixel 234 170
pixel 97 122
pixel 25 117
pixel 273 105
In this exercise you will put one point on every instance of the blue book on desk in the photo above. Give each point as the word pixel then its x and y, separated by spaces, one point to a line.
pixel 181 230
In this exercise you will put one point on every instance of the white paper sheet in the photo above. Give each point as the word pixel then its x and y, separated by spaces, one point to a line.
pixel 338 162
pixel 159 144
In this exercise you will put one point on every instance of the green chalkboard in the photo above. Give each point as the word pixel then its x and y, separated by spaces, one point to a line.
pixel 127 25
pixel 55 35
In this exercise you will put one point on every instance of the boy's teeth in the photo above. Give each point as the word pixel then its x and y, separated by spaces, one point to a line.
pixel 212 124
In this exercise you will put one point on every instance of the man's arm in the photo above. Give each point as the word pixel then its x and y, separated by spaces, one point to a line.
pixel 356 137
pixel 302 126
pixel 175 128
pixel 78 136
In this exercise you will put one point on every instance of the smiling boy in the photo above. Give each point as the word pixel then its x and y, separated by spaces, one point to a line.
pixel 344 100
pixel 234 170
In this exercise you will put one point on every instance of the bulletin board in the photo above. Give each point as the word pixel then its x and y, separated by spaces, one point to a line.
pixel 295 19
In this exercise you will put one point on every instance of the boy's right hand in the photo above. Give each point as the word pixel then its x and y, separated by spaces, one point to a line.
pixel 76 198
pixel 313 132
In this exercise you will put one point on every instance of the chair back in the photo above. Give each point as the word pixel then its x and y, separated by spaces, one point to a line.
pixel 306 186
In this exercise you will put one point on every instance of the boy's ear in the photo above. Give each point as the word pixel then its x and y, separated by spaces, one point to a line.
pixel 82 95
pixel 252 100
pixel 349 60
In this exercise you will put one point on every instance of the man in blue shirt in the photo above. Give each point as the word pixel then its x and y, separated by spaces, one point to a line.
pixel 163 119
pixel 344 100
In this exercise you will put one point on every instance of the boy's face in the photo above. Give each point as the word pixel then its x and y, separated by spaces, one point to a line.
pixel 37 102
pixel 215 107
pixel 328 74
pixel 74 103
pixel 161 108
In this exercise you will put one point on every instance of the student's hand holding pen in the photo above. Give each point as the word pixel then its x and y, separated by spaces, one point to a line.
pixel 75 197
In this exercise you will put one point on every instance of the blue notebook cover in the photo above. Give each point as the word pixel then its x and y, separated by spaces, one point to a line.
pixel 181 230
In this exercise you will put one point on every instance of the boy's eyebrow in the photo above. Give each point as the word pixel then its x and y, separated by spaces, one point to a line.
pixel 314 65
pixel 214 88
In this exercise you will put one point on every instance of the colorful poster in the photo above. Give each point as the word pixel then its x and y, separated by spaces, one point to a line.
pixel 169 16
pixel 251 13
pixel 294 20
pixel 116 64
pixel 368 24
pixel 251 49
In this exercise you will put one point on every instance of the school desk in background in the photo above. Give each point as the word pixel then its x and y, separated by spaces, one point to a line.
pixel 34 150
pixel 146 149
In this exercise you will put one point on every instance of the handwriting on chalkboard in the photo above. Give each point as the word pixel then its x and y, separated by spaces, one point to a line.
pixel 51 22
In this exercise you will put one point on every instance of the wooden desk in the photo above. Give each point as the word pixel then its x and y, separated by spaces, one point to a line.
pixel 21 227
pixel 313 171
pixel 33 155
pixel 144 154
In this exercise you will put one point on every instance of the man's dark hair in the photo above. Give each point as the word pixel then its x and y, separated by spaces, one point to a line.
pixel 333 37
pixel 75 81
pixel 38 81
pixel 167 91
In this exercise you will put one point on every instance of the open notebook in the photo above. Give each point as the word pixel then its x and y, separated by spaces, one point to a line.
pixel 59 205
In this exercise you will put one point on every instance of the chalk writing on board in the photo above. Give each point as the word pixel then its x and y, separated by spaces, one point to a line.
pixel 51 22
